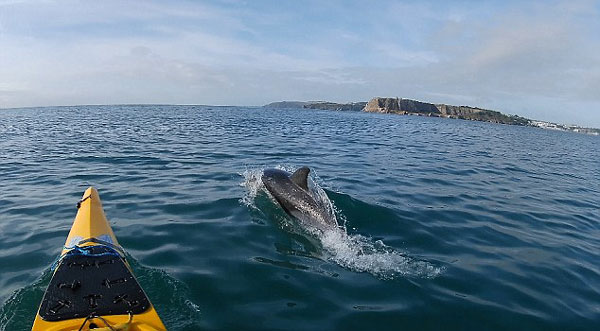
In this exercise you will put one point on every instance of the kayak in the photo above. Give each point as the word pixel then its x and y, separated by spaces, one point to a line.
pixel 93 287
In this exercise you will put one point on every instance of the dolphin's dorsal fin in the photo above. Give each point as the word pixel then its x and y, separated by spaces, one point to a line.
pixel 300 177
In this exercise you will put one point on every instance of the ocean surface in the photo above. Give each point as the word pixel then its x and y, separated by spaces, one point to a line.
pixel 444 224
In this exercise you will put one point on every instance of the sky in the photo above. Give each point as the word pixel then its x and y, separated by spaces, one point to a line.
pixel 538 59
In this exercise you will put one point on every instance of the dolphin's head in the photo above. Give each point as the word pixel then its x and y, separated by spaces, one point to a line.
pixel 279 185
pixel 274 179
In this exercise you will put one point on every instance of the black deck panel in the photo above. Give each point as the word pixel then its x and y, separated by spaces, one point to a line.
pixel 92 280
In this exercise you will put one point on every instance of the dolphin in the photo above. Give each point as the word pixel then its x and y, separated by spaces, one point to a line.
pixel 292 193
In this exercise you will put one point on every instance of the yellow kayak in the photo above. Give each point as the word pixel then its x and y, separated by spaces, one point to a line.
pixel 93 287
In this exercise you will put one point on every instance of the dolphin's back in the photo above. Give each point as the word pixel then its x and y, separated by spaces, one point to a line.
pixel 292 193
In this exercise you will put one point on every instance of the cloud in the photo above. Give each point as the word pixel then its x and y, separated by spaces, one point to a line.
pixel 534 59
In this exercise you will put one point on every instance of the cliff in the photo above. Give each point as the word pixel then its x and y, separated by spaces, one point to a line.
pixel 479 114
pixel 407 106
pixel 383 105
pixel 401 106
pixel 449 110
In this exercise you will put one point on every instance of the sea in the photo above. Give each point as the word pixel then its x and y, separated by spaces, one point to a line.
pixel 442 224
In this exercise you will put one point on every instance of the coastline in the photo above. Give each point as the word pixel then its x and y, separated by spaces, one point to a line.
pixel 401 106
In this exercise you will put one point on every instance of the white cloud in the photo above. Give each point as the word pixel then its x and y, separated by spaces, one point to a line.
pixel 537 60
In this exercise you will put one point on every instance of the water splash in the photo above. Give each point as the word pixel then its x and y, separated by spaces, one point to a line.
pixel 253 185
pixel 362 254
pixel 351 251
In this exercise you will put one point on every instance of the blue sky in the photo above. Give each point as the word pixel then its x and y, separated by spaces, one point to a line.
pixel 535 59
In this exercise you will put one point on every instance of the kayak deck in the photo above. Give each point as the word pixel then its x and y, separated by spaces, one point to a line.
pixel 93 286
pixel 95 280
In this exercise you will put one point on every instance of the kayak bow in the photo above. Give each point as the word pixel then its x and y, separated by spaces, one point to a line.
pixel 93 286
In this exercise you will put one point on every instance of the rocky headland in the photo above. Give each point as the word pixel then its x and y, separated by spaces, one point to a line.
pixel 413 107
pixel 400 106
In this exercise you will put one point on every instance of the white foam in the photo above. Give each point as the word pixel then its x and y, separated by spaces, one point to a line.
pixel 362 254
pixel 253 185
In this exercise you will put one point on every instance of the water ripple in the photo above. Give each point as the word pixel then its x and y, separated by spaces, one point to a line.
pixel 448 223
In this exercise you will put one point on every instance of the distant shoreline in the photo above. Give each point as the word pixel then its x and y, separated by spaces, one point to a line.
pixel 401 106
